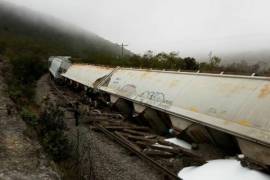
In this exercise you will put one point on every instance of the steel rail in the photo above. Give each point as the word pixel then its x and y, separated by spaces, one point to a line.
pixel 128 146
pixel 138 153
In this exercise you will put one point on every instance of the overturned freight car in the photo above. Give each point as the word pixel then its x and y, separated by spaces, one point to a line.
pixel 229 111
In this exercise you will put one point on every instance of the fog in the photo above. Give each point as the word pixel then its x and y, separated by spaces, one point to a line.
pixel 190 27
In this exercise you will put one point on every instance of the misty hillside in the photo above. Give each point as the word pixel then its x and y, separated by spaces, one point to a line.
pixel 251 57
pixel 22 31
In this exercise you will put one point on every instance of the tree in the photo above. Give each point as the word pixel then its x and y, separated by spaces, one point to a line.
pixel 215 61
pixel 190 63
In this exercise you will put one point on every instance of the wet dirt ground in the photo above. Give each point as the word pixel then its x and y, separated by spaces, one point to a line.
pixel 21 157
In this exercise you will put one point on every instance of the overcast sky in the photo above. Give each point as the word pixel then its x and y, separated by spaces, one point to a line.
pixel 188 26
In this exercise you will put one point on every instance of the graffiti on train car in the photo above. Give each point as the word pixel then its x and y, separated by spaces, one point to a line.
pixel 116 81
pixel 157 97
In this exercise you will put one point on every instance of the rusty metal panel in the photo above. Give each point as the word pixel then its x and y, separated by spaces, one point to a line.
pixel 235 104
pixel 86 74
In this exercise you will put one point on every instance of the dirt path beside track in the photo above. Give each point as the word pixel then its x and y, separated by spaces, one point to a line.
pixel 20 157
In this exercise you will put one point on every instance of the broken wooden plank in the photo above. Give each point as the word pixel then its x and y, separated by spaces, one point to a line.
pixel 160 148
pixel 108 122
pixel 156 153
pixel 145 134
pixel 141 138
pixel 143 143
pixel 126 127
pixel 127 141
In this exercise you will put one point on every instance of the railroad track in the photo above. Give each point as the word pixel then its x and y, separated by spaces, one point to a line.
pixel 126 144
pixel 112 126
pixel 140 140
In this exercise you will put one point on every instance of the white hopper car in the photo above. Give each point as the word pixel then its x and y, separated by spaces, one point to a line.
pixel 230 111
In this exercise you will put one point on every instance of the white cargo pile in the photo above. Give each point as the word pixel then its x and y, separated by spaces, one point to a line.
pixel 179 142
pixel 175 141
pixel 226 169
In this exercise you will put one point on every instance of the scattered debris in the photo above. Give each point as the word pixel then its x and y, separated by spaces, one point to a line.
pixel 179 142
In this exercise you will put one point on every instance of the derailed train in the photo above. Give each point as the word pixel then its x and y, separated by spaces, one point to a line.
pixel 229 111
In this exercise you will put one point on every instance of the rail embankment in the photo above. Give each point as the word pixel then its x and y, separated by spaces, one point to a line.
pixel 21 156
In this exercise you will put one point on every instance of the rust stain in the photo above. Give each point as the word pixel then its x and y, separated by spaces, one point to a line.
pixel 244 122
pixel 173 83
pixel 129 73
pixel 193 109
pixel 265 91
pixel 145 74
pixel 230 88
pixel 226 122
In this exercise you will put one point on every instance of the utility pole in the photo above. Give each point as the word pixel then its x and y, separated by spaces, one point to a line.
pixel 210 55
pixel 122 47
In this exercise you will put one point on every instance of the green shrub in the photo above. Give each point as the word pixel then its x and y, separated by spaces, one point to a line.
pixel 52 127
pixel 29 117
pixel 27 68
pixel 56 144
pixel 52 119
